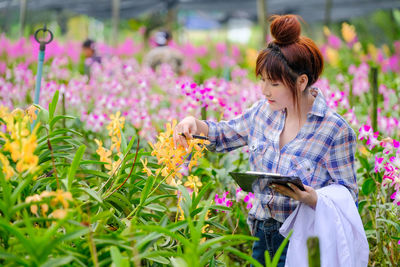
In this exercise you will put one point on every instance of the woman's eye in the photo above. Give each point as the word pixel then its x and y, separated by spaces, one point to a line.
pixel 275 84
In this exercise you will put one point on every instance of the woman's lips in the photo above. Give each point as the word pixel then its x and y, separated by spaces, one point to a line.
pixel 271 101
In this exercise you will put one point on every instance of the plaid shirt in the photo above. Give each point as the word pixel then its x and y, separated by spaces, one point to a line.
pixel 322 153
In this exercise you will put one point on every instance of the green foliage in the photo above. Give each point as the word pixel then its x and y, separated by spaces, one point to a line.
pixel 121 218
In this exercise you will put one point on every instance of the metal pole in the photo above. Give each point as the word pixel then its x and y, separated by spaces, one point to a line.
pixel 22 17
pixel 374 87
pixel 328 12
pixel 39 76
pixel 115 20
pixel 262 19
pixel 43 42
pixel 171 15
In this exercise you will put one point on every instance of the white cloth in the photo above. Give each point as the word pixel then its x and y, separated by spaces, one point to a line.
pixel 337 224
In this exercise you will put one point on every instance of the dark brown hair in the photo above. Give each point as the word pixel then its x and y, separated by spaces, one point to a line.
pixel 289 55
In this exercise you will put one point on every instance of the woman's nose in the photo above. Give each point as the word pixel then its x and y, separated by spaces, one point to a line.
pixel 266 91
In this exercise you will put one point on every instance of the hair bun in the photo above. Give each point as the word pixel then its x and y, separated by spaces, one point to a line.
pixel 285 29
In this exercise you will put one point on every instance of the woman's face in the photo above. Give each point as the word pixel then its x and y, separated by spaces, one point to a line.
pixel 278 95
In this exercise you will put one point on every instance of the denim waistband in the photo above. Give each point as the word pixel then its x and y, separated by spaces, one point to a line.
pixel 270 224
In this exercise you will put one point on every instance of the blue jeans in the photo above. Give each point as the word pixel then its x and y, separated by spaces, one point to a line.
pixel 270 240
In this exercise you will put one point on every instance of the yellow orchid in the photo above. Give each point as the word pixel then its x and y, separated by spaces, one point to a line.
pixel 105 154
pixel 5 165
pixel 194 183
pixel 327 31
pixel 373 51
pixel 61 197
pixel 251 57
pixel 19 141
pixel 332 56
pixel 172 158
pixel 348 32
pixel 58 214
pixel 116 124
pixel 145 168
pixel 31 112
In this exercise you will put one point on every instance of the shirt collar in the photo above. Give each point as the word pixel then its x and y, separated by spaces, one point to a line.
pixel 319 107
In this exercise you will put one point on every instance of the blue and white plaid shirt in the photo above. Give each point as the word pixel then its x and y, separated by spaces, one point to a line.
pixel 322 153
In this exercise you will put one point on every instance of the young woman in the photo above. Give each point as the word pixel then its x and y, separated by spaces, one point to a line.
pixel 292 132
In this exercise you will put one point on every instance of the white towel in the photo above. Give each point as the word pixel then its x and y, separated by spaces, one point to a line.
pixel 337 224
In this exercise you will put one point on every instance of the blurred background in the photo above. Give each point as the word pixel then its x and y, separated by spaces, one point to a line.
pixel 241 21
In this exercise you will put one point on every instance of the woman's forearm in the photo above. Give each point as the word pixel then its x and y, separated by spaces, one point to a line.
pixel 202 127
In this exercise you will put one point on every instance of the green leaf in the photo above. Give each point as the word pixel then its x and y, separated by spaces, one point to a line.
pixel 368 186
pixel 146 189
pixel 280 249
pixel 364 162
pixel 124 144
pixel 59 117
pixel 74 165
pixel 14 259
pixel 128 148
pixel 361 205
pixel 117 259
pixel 92 193
pixel 178 262
pixel 58 261
pixel 243 256
pixel 53 105
pixel 43 114
pixel 24 241
pixel 395 224
pixel 197 199
pixel 158 259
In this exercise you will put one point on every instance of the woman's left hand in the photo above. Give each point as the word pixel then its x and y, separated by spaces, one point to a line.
pixel 308 197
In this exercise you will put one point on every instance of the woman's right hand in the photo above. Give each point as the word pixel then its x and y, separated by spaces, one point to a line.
pixel 187 126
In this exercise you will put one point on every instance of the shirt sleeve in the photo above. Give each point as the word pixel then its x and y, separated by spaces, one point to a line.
pixel 226 136
pixel 341 158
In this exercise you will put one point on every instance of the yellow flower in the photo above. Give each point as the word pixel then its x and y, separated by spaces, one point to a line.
pixel 145 168
pixel 116 143
pixel 20 142
pixel 114 166
pixel 31 111
pixel 116 124
pixel 194 183
pixel 28 160
pixel 327 32
pixel 333 56
pixel 348 32
pixel 372 51
pixel 171 158
pixel 59 197
pixel 5 165
pixel 58 214
pixel 386 49
pixel 357 47
pixel 105 154
pixel 363 150
pixel 175 182
pixel 34 208
pixel 34 198
pixel 251 57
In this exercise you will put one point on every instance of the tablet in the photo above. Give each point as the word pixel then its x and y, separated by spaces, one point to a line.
pixel 246 179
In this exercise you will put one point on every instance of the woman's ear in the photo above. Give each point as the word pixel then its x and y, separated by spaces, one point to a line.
pixel 302 82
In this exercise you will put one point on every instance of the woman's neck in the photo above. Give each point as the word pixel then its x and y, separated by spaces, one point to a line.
pixel 305 104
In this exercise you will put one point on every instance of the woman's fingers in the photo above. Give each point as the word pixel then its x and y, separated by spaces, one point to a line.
pixel 284 191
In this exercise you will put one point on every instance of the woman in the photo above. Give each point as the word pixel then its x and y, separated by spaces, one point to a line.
pixel 292 132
